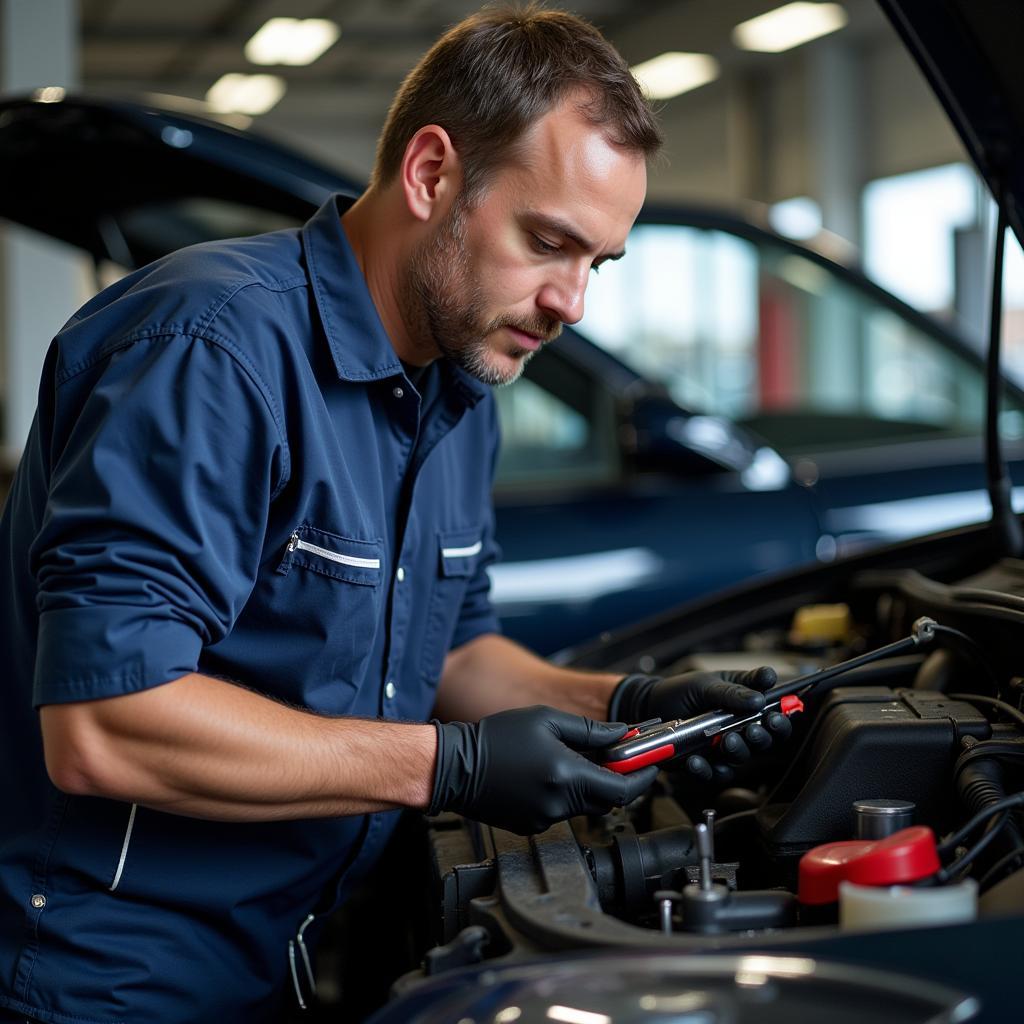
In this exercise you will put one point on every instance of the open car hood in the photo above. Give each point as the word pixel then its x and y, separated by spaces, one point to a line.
pixel 970 52
pixel 131 181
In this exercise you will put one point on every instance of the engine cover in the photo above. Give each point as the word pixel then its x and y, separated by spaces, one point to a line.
pixel 869 743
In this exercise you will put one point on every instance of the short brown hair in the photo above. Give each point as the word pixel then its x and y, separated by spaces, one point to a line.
pixel 487 79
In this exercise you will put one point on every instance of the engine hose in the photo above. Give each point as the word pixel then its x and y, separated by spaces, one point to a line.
pixel 979 784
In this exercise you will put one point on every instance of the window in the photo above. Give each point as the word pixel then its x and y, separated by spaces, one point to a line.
pixel 910 225
pixel 909 220
pixel 557 426
pixel 779 342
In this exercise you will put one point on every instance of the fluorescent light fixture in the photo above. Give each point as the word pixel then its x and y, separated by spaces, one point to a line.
pixel 293 41
pixel 788 26
pixel 245 94
pixel 671 74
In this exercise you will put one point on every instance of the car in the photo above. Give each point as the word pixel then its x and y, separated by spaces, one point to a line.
pixel 646 459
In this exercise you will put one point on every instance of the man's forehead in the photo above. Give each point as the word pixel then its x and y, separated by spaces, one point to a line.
pixel 566 138
pixel 566 167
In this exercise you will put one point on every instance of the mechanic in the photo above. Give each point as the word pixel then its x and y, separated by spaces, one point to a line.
pixel 247 551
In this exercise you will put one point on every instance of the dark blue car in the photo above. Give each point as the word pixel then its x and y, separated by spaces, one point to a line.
pixel 732 403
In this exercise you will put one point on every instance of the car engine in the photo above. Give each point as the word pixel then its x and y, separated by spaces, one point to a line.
pixel 887 832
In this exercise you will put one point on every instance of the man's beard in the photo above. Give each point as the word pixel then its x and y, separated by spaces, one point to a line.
pixel 443 306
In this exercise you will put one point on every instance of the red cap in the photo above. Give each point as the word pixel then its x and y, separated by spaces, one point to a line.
pixel 906 856
pixel 791 704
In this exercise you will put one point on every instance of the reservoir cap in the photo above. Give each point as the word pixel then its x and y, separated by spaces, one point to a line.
pixel 904 857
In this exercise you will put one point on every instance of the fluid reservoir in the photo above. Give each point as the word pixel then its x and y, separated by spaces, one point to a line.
pixel 869 907
pixel 885 883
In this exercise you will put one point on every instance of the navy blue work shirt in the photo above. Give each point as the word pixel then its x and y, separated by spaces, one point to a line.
pixel 229 472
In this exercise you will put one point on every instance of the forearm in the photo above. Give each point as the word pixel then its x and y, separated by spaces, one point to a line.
pixel 493 673
pixel 206 748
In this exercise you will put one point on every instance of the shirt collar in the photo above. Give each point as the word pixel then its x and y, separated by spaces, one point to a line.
pixel 359 344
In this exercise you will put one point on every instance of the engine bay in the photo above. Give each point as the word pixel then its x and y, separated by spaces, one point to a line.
pixel 886 831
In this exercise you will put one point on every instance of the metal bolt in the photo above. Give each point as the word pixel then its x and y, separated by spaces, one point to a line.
pixel 39 901
pixel 666 898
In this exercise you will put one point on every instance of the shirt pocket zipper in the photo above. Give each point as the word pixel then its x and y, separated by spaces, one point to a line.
pixel 334 555
pixel 297 544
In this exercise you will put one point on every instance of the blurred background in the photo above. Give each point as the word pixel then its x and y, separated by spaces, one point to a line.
pixel 837 133
pixel 791 122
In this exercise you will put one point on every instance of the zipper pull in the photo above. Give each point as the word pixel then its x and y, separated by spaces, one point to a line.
pixel 293 541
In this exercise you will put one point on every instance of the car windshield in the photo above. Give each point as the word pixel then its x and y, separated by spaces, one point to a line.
pixel 780 343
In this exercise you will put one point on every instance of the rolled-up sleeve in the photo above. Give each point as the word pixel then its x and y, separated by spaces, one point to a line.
pixel 164 463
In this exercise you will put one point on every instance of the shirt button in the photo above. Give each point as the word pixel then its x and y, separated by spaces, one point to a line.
pixel 38 901
pixel 390 689
pixel 398 392
pixel 400 575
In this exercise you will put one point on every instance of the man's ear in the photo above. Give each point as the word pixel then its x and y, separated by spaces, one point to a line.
pixel 431 173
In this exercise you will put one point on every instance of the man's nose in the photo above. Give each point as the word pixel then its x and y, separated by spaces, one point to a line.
pixel 562 297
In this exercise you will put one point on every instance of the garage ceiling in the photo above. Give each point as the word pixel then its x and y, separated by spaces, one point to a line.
pixel 336 105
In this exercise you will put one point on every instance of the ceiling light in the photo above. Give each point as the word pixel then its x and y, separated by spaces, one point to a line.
pixel 292 41
pixel 670 74
pixel 245 94
pixel 788 26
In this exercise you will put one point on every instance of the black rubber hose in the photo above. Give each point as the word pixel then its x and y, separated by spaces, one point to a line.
pixel 979 785
pixel 1002 705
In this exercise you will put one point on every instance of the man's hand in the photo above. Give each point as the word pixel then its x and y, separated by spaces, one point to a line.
pixel 639 698
pixel 521 770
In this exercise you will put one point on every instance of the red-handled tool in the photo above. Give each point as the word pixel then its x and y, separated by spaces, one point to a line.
pixel 661 741
pixel 656 741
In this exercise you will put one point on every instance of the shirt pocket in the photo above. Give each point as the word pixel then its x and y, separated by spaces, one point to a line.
pixel 330 554
pixel 458 555
pixel 333 597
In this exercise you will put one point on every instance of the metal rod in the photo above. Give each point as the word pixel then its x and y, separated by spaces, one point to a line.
pixel 704 851
pixel 666 916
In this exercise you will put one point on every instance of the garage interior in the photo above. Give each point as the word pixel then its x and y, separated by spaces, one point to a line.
pixel 836 145
pixel 811 128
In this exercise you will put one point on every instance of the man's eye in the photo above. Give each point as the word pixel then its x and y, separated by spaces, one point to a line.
pixel 541 246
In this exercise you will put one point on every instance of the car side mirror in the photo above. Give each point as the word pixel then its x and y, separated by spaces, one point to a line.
pixel 667 438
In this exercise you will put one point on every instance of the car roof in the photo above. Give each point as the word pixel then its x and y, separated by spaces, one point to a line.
pixel 110 176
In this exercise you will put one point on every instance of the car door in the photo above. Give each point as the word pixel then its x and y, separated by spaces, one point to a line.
pixel 594 537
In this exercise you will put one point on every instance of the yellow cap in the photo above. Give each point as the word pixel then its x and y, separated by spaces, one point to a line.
pixel 820 624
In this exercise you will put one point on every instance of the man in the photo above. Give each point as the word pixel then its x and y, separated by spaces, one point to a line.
pixel 247 552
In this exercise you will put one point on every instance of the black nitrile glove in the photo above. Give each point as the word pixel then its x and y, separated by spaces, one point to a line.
pixel 520 770
pixel 639 698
